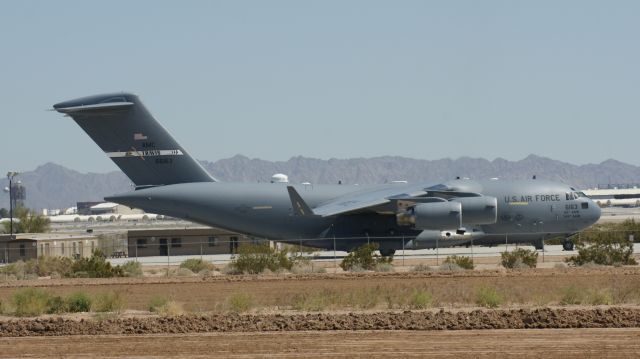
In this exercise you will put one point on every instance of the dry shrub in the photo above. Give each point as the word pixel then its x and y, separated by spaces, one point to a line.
pixel 256 258
pixel 461 261
pixel 364 257
pixel 450 267
pixel 197 265
pixel 572 295
pixel 165 306
pixel 519 259
pixel 307 268
pixel 132 269
pixel 421 268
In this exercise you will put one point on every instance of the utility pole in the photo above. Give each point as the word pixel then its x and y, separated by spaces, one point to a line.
pixel 10 176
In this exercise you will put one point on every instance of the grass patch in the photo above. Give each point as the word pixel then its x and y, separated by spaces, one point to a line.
pixel 488 297
pixel 30 302
pixel 421 299
pixel 240 302
pixel 109 302
pixel 572 295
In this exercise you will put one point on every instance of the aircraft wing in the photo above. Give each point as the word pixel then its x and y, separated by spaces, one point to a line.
pixel 375 198
pixel 351 202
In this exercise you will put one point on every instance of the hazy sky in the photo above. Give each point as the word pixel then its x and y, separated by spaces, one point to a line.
pixel 275 79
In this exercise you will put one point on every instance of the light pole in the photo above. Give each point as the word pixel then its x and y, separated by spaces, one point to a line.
pixel 10 176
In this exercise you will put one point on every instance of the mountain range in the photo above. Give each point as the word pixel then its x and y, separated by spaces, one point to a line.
pixel 55 186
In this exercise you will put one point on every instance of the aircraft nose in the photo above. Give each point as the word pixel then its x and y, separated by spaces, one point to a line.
pixel 595 211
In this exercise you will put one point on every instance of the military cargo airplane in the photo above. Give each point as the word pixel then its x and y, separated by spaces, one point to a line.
pixel 395 215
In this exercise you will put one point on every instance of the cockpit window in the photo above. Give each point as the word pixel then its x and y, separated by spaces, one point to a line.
pixel 581 194
pixel 570 196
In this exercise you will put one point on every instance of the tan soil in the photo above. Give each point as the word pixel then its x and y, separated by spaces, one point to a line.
pixel 551 343
pixel 542 318
pixel 452 289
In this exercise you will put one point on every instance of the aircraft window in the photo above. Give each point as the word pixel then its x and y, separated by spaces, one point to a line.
pixel 519 217
pixel 581 194
pixel 506 217
pixel 585 205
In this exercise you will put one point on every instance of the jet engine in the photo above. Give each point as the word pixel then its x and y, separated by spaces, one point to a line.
pixel 451 214
pixel 433 215
pixel 478 210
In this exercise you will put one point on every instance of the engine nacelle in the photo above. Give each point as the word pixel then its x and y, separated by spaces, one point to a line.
pixel 458 212
pixel 433 215
pixel 478 210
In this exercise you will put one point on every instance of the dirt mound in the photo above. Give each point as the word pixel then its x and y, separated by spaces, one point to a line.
pixel 612 317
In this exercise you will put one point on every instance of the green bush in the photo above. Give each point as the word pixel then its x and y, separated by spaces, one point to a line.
pixel 46 265
pixel 604 247
pixel 197 265
pixel 109 302
pixel 240 302
pixel 30 302
pixel 421 299
pixel 95 267
pixel 56 305
pixel 519 258
pixel 132 269
pixel 364 257
pixel 461 261
pixel 488 297
pixel 255 258
pixel 78 302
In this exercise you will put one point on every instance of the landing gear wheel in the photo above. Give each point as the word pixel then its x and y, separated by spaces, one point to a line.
pixel 385 252
pixel 567 245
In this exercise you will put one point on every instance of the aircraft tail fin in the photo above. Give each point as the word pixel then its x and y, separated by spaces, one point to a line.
pixel 125 130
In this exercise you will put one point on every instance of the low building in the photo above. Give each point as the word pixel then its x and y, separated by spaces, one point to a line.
pixel 109 208
pixel 622 195
pixel 184 241
pixel 27 246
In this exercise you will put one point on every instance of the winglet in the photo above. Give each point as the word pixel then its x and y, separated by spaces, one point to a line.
pixel 300 207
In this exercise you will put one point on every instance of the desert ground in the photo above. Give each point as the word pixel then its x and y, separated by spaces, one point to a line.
pixel 521 343
pixel 343 315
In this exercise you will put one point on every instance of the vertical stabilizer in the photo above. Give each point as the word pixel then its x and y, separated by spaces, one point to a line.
pixel 127 133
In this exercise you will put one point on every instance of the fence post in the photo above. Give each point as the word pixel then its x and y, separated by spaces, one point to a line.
pixel 335 259
pixel 200 252
pixel 136 251
pixel 168 255
pixel 437 262
pixel 403 251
